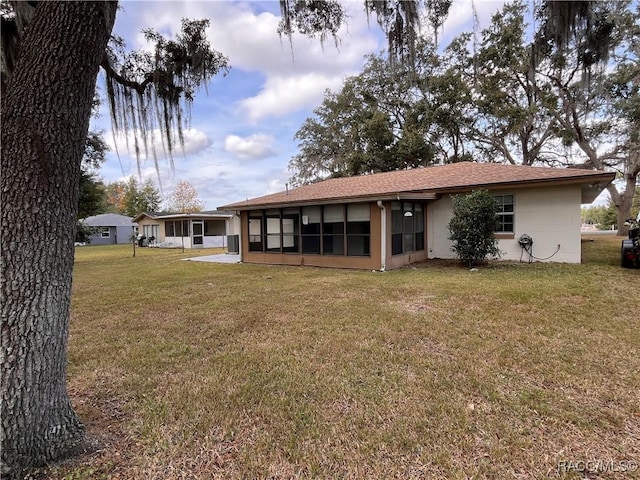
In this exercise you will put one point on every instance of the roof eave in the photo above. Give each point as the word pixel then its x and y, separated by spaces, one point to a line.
pixel 337 200
pixel 593 183
pixel 602 179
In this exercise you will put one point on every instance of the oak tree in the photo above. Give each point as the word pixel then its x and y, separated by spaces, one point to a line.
pixel 51 54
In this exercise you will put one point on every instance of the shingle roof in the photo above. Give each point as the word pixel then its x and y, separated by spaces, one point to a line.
pixel 429 180
pixel 167 215
pixel 108 220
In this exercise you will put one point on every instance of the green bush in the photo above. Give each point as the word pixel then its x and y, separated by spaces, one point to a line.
pixel 473 226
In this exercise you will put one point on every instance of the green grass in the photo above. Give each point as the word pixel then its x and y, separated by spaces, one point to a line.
pixel 200 370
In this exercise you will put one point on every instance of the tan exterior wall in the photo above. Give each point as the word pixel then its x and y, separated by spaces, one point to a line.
pixel 550 216
pixel 151 221
pixel 231 226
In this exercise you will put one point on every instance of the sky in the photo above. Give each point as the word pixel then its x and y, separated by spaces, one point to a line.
pixel 241 136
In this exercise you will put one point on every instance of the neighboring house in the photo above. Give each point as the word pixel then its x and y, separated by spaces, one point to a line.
pixel 111 228
pixel 387 220
pixel 190 230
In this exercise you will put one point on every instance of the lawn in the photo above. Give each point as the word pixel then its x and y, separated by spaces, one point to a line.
pixel 191 370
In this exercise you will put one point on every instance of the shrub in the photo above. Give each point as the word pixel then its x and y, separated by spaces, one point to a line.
pixel 473 226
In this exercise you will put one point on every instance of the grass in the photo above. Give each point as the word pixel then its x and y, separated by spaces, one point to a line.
pixel 191 370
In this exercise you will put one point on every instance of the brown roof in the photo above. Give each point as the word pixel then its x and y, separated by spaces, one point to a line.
pixel 428 182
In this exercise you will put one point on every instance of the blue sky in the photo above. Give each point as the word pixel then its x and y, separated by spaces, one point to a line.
pixel 242 132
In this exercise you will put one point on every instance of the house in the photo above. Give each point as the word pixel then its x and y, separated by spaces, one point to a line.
pixel 388 220
pixel 111 228
pixel 190 230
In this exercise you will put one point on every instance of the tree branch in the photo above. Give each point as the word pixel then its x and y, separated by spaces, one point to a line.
pixel 125 82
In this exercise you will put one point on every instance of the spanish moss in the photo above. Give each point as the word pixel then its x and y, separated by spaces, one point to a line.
pixel 151 91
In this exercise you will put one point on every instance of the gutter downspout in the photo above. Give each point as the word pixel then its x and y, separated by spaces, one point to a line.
pixel 383 236
pixel 239 214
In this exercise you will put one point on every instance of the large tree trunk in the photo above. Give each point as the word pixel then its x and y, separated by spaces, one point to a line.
pixel 623 202
pixel 46 108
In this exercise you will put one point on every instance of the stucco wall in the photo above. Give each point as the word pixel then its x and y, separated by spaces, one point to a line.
pixel 151 221
pixel 233 225
pixel 209 241
pixel 550 216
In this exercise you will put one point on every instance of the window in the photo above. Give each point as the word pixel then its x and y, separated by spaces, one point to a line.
pixel 179 228
pixel 255 232
pixel 150 231
pixel 408 240
pixel 314 230
pixel 407 227
pixel 418 219
pixel 290 230
pixel 105 232
pixel 214 227
pixel 505 213
pixel 311 221
pixel 358 229
pixel 333 230
pixel 273 230
pixel 168 229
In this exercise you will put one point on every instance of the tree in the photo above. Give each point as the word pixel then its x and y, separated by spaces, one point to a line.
pixel 130 197
pixel 138 198
pixel 92 198
pixel 508 105
pixel 150 198
pixel 184 199
pixel 378 122
pixel 571 20
pixel 49 73
pixel 399 19
pixel 472 227
pixel 45 123
pixel 115 197
pixel 603 120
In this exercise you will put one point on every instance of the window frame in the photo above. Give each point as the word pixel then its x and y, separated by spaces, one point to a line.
pixel 311 230
pixel 290 231
pixel 357 230
pixel 257 245
pixel 169 228
pixel 502 214
pixel 104 230
pixel 334 244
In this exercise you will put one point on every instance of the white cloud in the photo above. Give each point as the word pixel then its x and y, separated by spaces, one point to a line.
pixel 460 18
pixel 297 73
pixel 270 79
pixel 195 141
pixel 294 75
pixel 256 146
pixel 283 95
